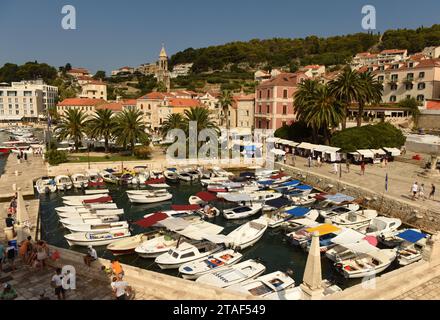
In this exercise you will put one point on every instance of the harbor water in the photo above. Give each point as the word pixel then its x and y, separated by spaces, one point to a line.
pixel 274 250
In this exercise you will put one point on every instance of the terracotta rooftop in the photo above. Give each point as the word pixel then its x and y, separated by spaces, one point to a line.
pixel 178 102
pixel 284 79
pixel 433 104
pixel 81 102
pixel 114 106
pixel 393 51
pixel 78 70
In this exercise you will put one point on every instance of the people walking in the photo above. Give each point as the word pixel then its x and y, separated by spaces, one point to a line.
pixel 335 168
pixel 121 289
pixel 90 256
pixel 432 193
pixel 347 165
pixel 309 161
pixel 414 190
pixel 318 161
pixel 363 168
pixel 11 254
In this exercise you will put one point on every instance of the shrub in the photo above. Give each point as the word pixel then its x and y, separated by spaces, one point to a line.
pixel 297 131
pixel 142 152
pixel 55 157
pixel 369 137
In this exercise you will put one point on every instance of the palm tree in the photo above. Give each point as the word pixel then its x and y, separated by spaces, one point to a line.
pixel 225 100
pixel 101 125
pixel 173 121
pixel 303 98
pixel 72 125
pixel 130 129
pixel 371 93
pixel 324 111
pixel 347 87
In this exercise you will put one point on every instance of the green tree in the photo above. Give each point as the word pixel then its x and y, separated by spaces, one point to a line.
pixel 303 98
pixel 413 106
pixel 161 87
pixel 371 93
pixel 72 125
pixel 324 112
pixel 347 88
pixel 173 121
pixel 100 74
pixel 225 101
pixel 203 117
pixel 101 126
pixel 130 129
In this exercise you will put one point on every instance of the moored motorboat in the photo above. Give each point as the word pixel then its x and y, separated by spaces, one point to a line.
pixel 85 220
pixel 242 212
pixel 63 182
pixel 234 274
pixel 222 259
pixel 153 248
pixel 247 234
pixel 411 249
pixel 98 227
pixel 171 176
pixel 150 197
pixel 86 208
pixel 96 239
pixel 354 220
pixel 45 185
pixel 80 180
pixel 128 245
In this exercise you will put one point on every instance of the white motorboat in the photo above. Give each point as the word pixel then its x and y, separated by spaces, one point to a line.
pixel 304 200
pixel 222 259
pixel 140 178
pixel 98 227
pixel 150 197
pixel 381 225
pixel 285 215
pixel 153 248
pixel 411 249
pixel 331 238
pixel 350 250
pixel 299 191
pixel 303 235
pixel 242 211
pixel 247 234
pixel 234 274
pixel 95 180
pixel 354 220
pixel 274 286
pixel 96 239
pixel 171 176
pixel 128 245
pixel 80 180
pixel 366 264
pixel 219 172
pixel 390 239
pixel 185 176
pixel 84 197
pixel 94 220
pixel 338 210
pixel 86 208
pixel 109 177
pixel 65 215
pixel 63 182
pixel 45 185
pixel 213 180
pixel 255 196
pixel 265 173
pixel 185 253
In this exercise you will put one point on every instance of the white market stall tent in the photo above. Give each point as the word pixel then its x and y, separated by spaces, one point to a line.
pixel 394 152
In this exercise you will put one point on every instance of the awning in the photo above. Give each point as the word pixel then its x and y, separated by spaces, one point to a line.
pixel 326 149
pixel 278 152
pixel 290 183
pixel 174 224
pixel 348 236
pixel 323 229
pixel 307 146
pixel 303 187
pixel 185 207
pixel 367 153
pixel 151 220
pixel 338 198
pixel 273 139
pixel 298 211
pixel 237 197
pixel 277 203
pixel 287 142
pixel 206 196
pixel 379 152
pixel 200 230
pixel 360 247
pixel 394 151
pixel 411 235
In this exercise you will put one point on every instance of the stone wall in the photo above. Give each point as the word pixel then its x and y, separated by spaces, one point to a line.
pixel 148 284
pixel 409 213
pixel 429 121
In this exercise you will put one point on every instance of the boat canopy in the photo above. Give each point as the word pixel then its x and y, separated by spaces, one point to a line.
pixel 366 153
pixel 151 220
pixel 278 152
pixel 266 182
pixel 298 211
pixel 323 229
pixel 290 183
pixel 304 222
pixel 394 151
pixel 303 187
pixel 217 238
pixel 185 207
pixel 338 198
pixel 206 196
pixel 278 203
pixel 348 236
pixel 237 197
pixel 155 181
pixel 278 176
pixel 360 247
pixel 200 230
pixel 174 224
pixel 411 235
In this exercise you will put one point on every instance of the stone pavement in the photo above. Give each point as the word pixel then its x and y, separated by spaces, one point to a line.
pixel 428 291
pixel 30 283
pixel 401 176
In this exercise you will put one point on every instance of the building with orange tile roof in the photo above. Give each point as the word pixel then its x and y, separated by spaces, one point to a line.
pixel 78 72
pixel 93 89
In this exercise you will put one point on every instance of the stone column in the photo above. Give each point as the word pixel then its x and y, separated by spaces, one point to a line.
pixel 431 252
pixel 312 280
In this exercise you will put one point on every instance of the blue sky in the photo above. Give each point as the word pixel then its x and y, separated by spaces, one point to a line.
pixel 114 33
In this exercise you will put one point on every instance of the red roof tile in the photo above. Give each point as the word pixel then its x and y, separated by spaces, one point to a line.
pixel 392 51
pixel 284 79
pixel 433 104
pixel 114 106
pixel 178 102
pixel 81 102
